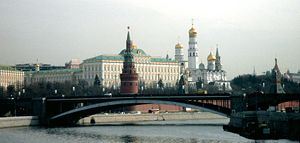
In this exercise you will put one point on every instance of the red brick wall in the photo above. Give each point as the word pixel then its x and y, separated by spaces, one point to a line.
pixel 161 107
pixel 288 104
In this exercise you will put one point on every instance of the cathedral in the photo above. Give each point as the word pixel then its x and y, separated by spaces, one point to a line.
pixel 193 71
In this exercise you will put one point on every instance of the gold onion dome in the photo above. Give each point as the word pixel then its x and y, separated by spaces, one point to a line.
pixel 134 46
pixel 211 57
pixel 178 46
pixel 192 32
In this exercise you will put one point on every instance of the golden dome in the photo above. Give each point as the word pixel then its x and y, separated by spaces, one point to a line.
pixel 134 46
pixel 178 46
pixel 211 57
pixel 192 32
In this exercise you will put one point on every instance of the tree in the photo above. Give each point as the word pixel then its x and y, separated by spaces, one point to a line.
pixel 160 84
pixel 10 90
pixel 97 81
pixel 199 83
pixel 1 91
pixel 181 84
pixel 212 89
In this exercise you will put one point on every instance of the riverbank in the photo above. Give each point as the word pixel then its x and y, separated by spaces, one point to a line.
pixel 130 118
pixel 22 121
pixel 10 122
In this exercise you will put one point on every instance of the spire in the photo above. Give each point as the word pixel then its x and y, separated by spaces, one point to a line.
pixel 276 65
pixel 217 51
pixel 128 34
pixel 254 71
pixel 192 22
pixel 192 31
pixel 128 41
pixel 277 88
pixel 218 65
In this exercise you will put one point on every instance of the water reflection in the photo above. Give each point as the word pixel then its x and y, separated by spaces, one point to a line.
pixel 128 139
pixel 124 134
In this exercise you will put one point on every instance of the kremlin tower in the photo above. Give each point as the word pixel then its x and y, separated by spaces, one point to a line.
pixel 276 74
pixel 129 77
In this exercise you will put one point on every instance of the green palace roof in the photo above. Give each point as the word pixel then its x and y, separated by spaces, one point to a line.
pixel 135 52
pixel 6 67
pixel 161 60
pixel 56 71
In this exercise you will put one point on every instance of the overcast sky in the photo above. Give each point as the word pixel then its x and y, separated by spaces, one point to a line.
pixel 249 32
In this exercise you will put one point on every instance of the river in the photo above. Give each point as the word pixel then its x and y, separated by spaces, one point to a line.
pixel 192 131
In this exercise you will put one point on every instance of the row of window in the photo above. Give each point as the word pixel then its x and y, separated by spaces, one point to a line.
pixel 139 68
pixel 147 84
pixel 61 78
pixel 7 72
pixel 130 84
pixel 194 54
pixel 11 78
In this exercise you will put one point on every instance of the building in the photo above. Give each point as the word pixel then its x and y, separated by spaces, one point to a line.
pixel 46 73
pixel 179 57
pixel 58 75
pixel 149 69
pixel 73 64
pixel 32 67
pixel 11 76
pixel 295 77
pixel 210 74
pixel 55 75
pixel 193 58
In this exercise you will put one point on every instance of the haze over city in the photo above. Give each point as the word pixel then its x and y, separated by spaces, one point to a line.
pixel 249 33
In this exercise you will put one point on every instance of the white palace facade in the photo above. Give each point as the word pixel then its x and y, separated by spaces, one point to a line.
pixel 150 69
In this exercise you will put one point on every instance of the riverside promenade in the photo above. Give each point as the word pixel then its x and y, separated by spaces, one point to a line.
pixel 129 118
pixel 23 121
pixel 20 121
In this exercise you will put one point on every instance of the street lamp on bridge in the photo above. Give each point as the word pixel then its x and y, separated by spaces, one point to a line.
pixel 74 90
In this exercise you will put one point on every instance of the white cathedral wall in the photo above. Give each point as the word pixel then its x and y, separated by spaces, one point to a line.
pixel 207 76
pixel 193 58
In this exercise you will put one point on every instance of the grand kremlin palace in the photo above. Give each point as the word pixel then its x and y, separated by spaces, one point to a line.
pixel 150 69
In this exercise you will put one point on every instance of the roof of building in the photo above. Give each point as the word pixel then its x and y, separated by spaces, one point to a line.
pixel 211 57
pixel 178 46
pixel 6 67
pixel 136 52
pixel 193 32
pixel 104 57
pixel 56 71
pixel 156 59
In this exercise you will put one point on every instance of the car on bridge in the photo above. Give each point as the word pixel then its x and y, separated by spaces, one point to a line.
pixel 108 94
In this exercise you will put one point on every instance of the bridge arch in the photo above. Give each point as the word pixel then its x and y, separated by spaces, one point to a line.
pixel 88 110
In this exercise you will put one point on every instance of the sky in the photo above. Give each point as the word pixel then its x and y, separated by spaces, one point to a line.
pixel 250 33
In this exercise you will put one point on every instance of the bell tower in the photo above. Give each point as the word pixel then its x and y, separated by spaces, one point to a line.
pixel 193 49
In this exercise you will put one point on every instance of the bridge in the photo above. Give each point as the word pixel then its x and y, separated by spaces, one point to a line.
pixel 64 111
pixel 68 110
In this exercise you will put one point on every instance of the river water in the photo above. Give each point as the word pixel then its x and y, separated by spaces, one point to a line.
pixel 192 131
